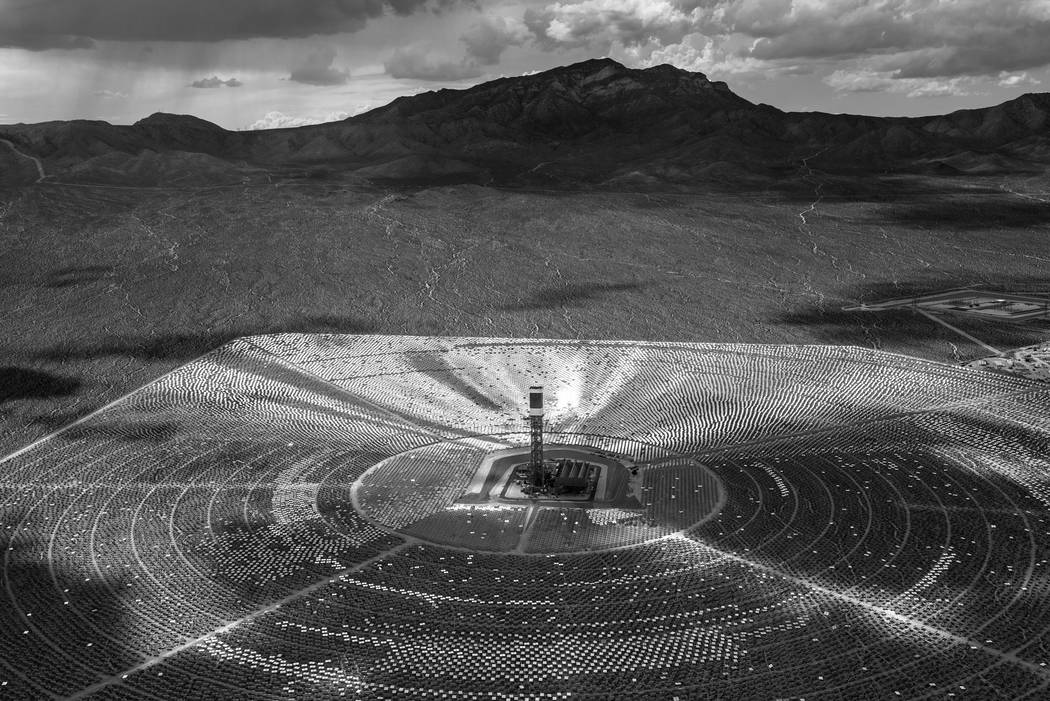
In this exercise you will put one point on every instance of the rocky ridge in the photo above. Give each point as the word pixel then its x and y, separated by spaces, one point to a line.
pixel 588 123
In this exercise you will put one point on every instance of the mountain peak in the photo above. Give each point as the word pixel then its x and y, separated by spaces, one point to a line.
pixel 591 65
pixel 607 67
pixel 606 73
pixel 183 121
pixel 571 100
pixel 593 120
pixel 668 68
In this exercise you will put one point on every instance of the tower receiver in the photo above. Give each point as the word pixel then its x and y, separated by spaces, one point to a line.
pixel 537 473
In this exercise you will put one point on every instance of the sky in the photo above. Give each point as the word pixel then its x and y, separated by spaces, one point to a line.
pixel 250 64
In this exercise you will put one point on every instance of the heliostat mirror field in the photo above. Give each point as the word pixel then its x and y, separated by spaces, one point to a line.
pixel 319 516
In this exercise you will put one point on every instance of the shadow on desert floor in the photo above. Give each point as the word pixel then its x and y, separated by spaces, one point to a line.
pixel 66 611
pixel 26 383
pixel 186 346
pixel 573 294
pixel 76 275
pixel 966 212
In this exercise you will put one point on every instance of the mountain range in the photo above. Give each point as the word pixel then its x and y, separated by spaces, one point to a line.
pixel 590 124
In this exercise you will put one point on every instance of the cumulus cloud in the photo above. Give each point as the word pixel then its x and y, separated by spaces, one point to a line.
pixel 1016 80
pixel 69 24
pixel 216 82
pixel 420 62
pixel 952 87
pixel 854 81
pixel 699 54
pixel 491 36
pixel 279 120
pixel 866 81
pixel 317 69
pixel 683 55
pixel 909 39
pixel 109 94
pixel 912 38
pixel 597 24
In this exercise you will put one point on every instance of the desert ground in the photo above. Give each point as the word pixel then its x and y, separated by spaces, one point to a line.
pixel 107 288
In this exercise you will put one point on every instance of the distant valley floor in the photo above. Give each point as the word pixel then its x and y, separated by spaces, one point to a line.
pixel 105 289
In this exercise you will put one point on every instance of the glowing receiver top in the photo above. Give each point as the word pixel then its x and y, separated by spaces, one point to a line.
pixel 536 400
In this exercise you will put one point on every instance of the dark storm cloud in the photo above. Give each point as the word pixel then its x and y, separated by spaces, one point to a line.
pixel 821 39
pixel 421 63
pixel 66 24
pixel 1013 50
pixel 916 39
pixel 216 82
pixel 42 41
pixel 317 69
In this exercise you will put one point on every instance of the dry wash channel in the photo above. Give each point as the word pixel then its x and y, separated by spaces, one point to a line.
pixel 326 516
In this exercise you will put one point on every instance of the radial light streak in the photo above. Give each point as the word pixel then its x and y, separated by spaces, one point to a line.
pixel 300 515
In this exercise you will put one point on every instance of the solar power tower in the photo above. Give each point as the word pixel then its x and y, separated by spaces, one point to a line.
pixel 536 429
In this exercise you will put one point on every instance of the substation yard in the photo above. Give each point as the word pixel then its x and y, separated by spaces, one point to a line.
pixel 290 516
